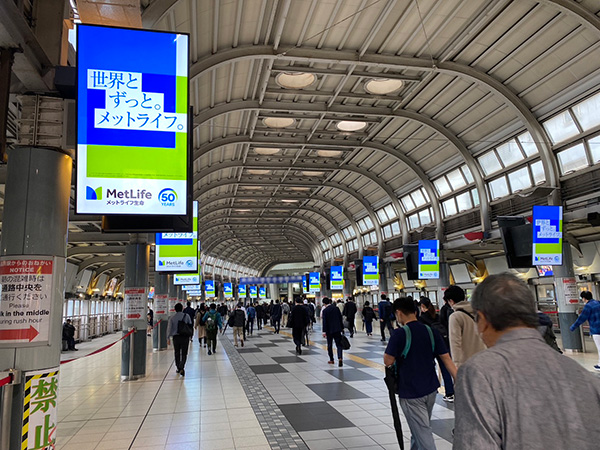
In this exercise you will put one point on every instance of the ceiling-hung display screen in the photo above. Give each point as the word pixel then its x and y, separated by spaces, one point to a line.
pixel 242 290
pixel 132 121
pixel 262 292
pixel 429 259
pixel 178 252
pixel 253 292
pixel 227 290
pixel 314 282
pixel 547 235
pixel 336 279
pixel 209 288
pixel 188 278
pixel 370 271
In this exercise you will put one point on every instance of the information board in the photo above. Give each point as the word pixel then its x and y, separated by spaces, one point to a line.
pixel 172 302
pixel 132 121
pixel 304 284
pixel 194 293
pixel 429 259
pixel 188 278
pixel 242 290
pixel 26 300
pixel 191 287
pixel 40 419
pixel 314 283
pixel 337 278
pixel 135 303
pixel 253 292
pixel 371 271
pixel 227 290
pixel 547 235
pixel 160 304
pixel 176 252
pixel 209 288
pixel 262 292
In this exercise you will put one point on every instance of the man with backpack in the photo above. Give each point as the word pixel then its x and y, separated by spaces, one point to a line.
pixel 237 321
pixel 285 311
pixel 212 322
pixel 385 316
pixel 462 329
pixel 178 331
pixel 413 349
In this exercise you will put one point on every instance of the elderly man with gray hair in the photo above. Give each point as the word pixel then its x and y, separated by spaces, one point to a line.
pixel 520 393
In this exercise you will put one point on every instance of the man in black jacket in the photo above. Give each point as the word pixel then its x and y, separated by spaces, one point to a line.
pixel 68 334
pixel 260 315
pixel 299 321
pixel 276 316
pixel 333 326
pixel 350 314
pixel 237 321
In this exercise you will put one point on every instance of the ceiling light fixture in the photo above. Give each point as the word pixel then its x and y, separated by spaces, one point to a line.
pixel 297 188
pixel 252 188
pixel 286 200
pixel 311 173
pixel 278 122
pixel 295 80
pixel 330 153
pixel 259 172
pixel 243 210
pixel 266 151
pixel 351 125
pixel 383 86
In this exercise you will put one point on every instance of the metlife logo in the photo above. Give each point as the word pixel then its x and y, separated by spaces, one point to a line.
pixel 167 197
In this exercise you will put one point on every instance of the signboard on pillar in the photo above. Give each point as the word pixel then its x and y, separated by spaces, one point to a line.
pixel 209 288
pixel 242 290
pixel 26 300
pixel 547 235
pixel 39 409
pixel 172 303
pixel 178 252
pixel 570 290
pixel 227 290
pixel 132 121
pixel 336 278
pixel 262 292
pixel 135 303
pixel 314 282
pixel 304 284
pixel 429 259
pixel 370 271
pixel 253 292
pixel 160 304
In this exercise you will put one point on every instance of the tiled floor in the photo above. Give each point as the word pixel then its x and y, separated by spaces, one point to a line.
pixel 261 396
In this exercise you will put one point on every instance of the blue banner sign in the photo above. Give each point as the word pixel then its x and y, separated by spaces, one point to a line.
pixel 209 288
pixel 314 283
pixel 253 292
pixel 227 290
pixel 242 290
pixel 337 278
pixel 371 271
pixel 304 284
pixel 429 259
pixel 262 292
pixel 547 235
pixel 271 280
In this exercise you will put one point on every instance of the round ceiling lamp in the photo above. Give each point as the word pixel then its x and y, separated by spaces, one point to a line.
pixel 383 86
pixel 266 151
pixel 351 125
pixel 295 80
pixel 278 122
pixel 329 153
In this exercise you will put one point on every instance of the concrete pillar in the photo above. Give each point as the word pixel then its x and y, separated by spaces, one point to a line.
pixel 567 299
pixel 172 293
pixel 290 292
pixel 443 283
pixel 161 311
pixel 383 279
pixel 137 259
pixel 36 211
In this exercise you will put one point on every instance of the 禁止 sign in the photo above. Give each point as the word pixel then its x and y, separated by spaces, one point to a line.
pixel 371 271
pixel 132 121
pixel 429 259
pixel 227 290
pixel 26 300
pixel 39 410
pixel 160 304
pixel 253 292
pixel 262 292
pixel 209 288
pixel 135 303
pixel 337 278
pixel 314 282
pixel 178 251
pixel 547 235
pixel 242 290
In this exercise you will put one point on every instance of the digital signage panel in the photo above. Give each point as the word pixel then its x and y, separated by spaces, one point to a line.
pixel 304 284
pixel 209 288
pixel 196 293
pixel 132 121
pixel 191 287
pixel 178 251
pixel 262 292
pixel 227 290
pixel 314 283
pixel 253 292
pixel 370 271
pixel 429 259
pixel 188 278
pixel 336 279
pixel 242 290
pixel 547 235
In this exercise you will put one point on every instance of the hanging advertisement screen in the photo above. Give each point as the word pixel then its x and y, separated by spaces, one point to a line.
pixel 314 283
pixel 242 290
pixel 196 293
pixel 262 292
pixel 188 278
pixel 253 292
pixel 429 259
pixel 304 284
pixel 227 290
pixel 336 279
pixel 547 235
pixel 191 287
pixel 370 271
pixel 209 288
pixel 132 121
pixel 178 252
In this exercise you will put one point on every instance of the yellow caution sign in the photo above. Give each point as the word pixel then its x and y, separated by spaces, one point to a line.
pixel 39 410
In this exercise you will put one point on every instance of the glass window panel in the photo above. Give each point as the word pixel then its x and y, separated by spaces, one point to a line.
pixel 467 173
pixel 464 202
pixel 414 221
pixel 456 179
pixel 418 198
pixel 537 171
pixel 391 213
pixel 527 143
pixel 368 223
pixel 498 188
pixel 588 112
pixel 362 225
pixel 475 196
pixel 396 228
pixel 561 127
pixel 572 159
pixel 381 215
pixel 354 243
pixel 509 153
pixel 519 179
pixel 442 186
pixel 425 216
pixel 489 163
pixel 449 207
pixel 387 231
pixel 594 144
pixel 425 195
pixel 366 239
pixel 373 237
pixel 408 203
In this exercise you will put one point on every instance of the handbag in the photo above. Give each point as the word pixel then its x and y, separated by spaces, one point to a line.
pixel 346 323
pixel 345 342
pixel 184 329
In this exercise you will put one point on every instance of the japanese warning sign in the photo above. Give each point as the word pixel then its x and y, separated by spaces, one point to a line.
pixel 39 410
pixel 135 303
pixel 26 300
pixel 160 304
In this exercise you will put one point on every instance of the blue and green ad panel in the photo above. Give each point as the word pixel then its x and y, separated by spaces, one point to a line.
pixel 371 271
pixel 188 278
pixel 132 121
pixel 178 252
pixel 262 292
pixel 253 292
pixel 429 259
pixel 314 282
pixel 227 290
pixel 209 288
pixel 547 235
pixel 242 290
pixel 337 278
pixel 304 284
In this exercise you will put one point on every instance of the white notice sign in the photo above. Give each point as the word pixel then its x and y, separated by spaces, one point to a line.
pixel 26 300
pixel 172 303
pixel 135 303
pixel 160 304
pixel 570 288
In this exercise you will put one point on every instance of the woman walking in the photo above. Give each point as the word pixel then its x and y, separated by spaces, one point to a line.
pixel 200 325
pixel 368 316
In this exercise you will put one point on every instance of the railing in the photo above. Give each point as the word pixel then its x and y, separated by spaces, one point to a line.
pixel 95 325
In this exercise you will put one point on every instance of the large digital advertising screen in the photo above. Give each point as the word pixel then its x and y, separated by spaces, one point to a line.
pixel 178 252
pixel 547 235
pixel 262 292
pixel 209 288
pixel 370 271
pixel 336 279
pixel 314 282
pixel 242 290
pixel 429 259
pixel 253 292
pixel 132 121
pixel 227 290
pixel 188 278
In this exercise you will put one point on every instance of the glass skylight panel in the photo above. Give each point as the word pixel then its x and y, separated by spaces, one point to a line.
pixel 362 225
pixel 527 143
pixel 349 232
pixel 561 127
pixel 414 221
pixel 425 216
pixel 407 203
pixel 396 228
pixel 366 239
pixel 572 159
pixel 464 202
pixel 537 172
pixel 467 173
pixel 519 179
pixel 475 197
pixel 390 212
pixel 387 231
pixel 588 112
pixel 498 188
pixel 509 153
pixel 353 244
pixel 324 245
pixel 456 179
pixel 373 237
pixel 449 207
pixel 442 186
pixel 594 144
pixel 489 163
pixel 381 215
pixel 418 198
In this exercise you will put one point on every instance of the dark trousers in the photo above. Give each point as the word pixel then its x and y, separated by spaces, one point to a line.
pixel 71 343
pixel 259 323
pixel 351 325
pixel 369 326
pixel 250 326
pixel 448 383
pixel 337 337
pixel 212 340
pixel 383 325
pixel 297 335
pixel 277 325
pixel 180 345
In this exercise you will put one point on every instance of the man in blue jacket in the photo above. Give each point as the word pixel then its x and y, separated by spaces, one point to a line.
pixel 385 316
pixel 333 325
pixel 591 313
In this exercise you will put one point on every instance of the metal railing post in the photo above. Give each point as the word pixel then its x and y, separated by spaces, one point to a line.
pixel 6 413
pixel 131 343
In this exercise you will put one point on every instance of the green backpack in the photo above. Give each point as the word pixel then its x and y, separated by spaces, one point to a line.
pixel 409 340
pixel 211 322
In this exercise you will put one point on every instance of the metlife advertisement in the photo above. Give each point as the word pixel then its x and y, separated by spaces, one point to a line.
pixel 314 282
pixel 242 290
pixel 337 278
pixel 547 235
pixel 132 121
pixel 227 290
pixel 209 288
pixel 178 252
pixel 429 259
pixel 371 271
pixel 188 278
pixel 262 292
pixel 253 292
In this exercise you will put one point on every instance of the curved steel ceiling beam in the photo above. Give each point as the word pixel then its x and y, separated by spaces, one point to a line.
pixel 574 9
pixel 217 239
pixel 99 260
pixel 234 242
pixel 156 11
pixel 95 250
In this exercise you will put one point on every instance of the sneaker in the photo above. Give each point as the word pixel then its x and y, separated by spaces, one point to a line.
pixel 330 362
pixel 209 352
pixel 597 367
pixel 340 363
pixel 382 339
pixel 242 343
pixel 182 373
pixel 449 398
